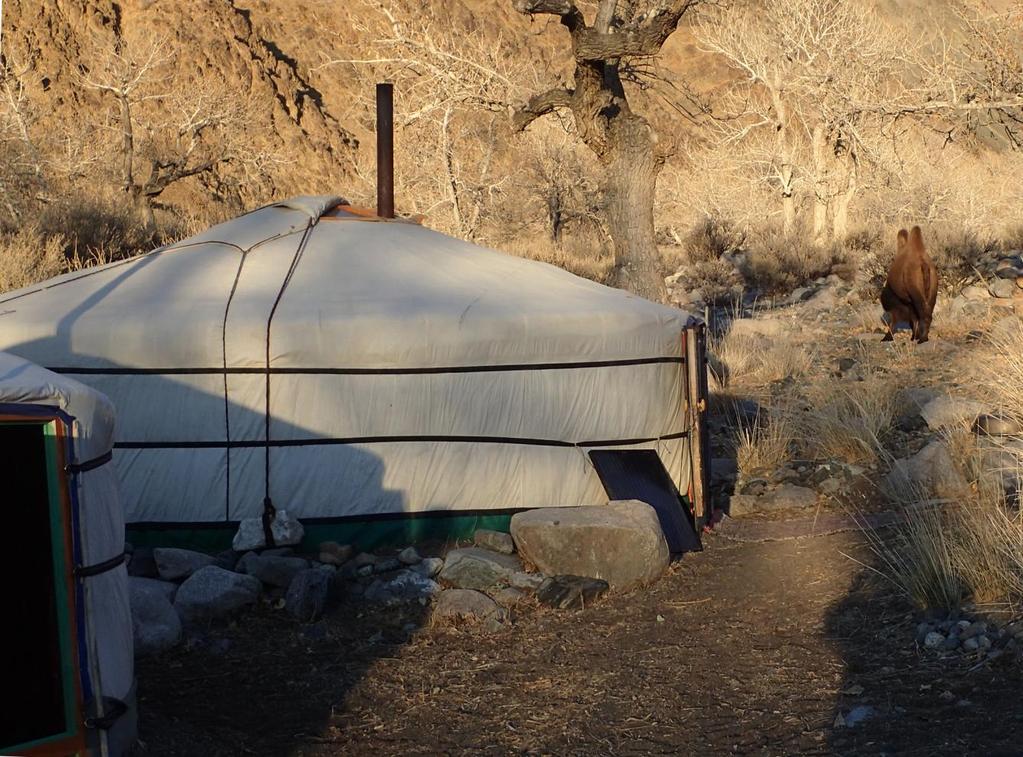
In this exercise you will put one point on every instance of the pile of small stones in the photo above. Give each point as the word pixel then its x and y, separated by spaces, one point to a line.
pixel 176 593
pixel 979 638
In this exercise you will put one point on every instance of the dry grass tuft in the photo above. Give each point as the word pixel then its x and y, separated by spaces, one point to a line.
pixel 745 357
pixel 766 443
pixel 591 261
pixel 846 421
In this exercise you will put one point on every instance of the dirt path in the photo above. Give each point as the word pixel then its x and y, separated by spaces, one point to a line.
pixel 745 648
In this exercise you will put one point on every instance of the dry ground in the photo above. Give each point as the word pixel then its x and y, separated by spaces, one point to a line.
pixel 752 647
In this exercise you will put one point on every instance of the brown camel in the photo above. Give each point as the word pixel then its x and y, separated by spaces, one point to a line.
pixel 912 287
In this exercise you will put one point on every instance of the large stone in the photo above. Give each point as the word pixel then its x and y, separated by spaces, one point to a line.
pixel 155 624
pixel 274 570
pixel 475 568
pixel 496 541
pixel 771 327
pixel 142 564
pixel 429 567
pixel 213 592
pixel 333 553
pixel 1003 289
pixel 931 470
pixel 785 497
pixel 468 606
pixel 166 588
pixel 307 594
pixel 943 412
pixel 407 586
pixel 286 531
pixel 621 542
pixel 175 564
pixel 570 592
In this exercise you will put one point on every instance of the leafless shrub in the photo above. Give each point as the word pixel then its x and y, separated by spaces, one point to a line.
pixel 29 256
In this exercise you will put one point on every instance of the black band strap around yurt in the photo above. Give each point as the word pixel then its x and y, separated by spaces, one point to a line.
pixel 87 571
pixel 88 465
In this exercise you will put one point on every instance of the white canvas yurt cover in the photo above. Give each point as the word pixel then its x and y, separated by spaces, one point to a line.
pixel 359 373
pixel 67 660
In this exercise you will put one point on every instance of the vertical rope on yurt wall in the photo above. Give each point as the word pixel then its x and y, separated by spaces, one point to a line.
pixel 268 507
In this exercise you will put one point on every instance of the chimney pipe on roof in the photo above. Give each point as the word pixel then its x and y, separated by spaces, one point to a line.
pixel 385 150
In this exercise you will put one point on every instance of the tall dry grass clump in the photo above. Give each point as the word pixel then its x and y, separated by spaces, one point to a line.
pixel 846 421
pixel 752 358
pixel 766 443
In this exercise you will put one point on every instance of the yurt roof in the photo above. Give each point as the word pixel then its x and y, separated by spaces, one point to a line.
pixel 313 282
pixel 24 383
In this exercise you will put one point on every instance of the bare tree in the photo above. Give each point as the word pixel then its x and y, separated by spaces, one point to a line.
pixel 623 140
pixel 21 165
pixel 812 72
pixel 193 131
pixel 453 85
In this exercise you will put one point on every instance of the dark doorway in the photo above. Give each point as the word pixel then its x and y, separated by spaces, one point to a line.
pixel 36 655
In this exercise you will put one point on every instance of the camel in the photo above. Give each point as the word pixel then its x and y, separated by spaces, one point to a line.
pixel 912 287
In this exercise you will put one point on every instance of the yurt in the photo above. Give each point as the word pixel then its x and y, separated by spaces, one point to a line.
pixel 67 656
pixel 372 377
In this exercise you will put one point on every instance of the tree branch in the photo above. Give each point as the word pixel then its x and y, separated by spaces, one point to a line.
pixel 644 39
pixel 571 16
pixel 541 105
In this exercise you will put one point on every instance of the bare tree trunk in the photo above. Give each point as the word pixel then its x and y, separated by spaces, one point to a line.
pixel 449 167
pixel 820 182
pixel 840 222
pixel 631 180
pixel 622 140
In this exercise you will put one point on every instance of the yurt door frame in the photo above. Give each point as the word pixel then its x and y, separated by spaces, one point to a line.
pixel 694 340
pixel 70 738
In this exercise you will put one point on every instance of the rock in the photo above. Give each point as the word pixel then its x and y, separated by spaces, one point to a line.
pixel 922 630
pixel 526 581
pixel 228 559
pixel 1006 270
pixel 496 541
pixel 785 497
pixel 475 568
pixel 409 556
pixel 770 327
pixel 275 570
pixel 755 487
pixel 333 553
pixel 984 642
pixel 942 412
pixel 933 640
pixel 387 564
pixel 509 596
pixel 278 552
pixel 974 292
pixel 407 586
pixel 1003 289
pixel 858 715
pixel 824 299
pixel 307 594
pixel 971 630
pixel 831 485
pixel 468 606
pixel 213 592
pixel 174 564
pixel 971 645
pixel 570 592
pixel 621 542
pixel 723 470
pixel 430 567
pixel 286 531
pixel 242 566
pixel 951 643
pixel 994 425
pixel 364 558
pixel 932 468
pixel 166 588
pixel 155 624
pixel 142 563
